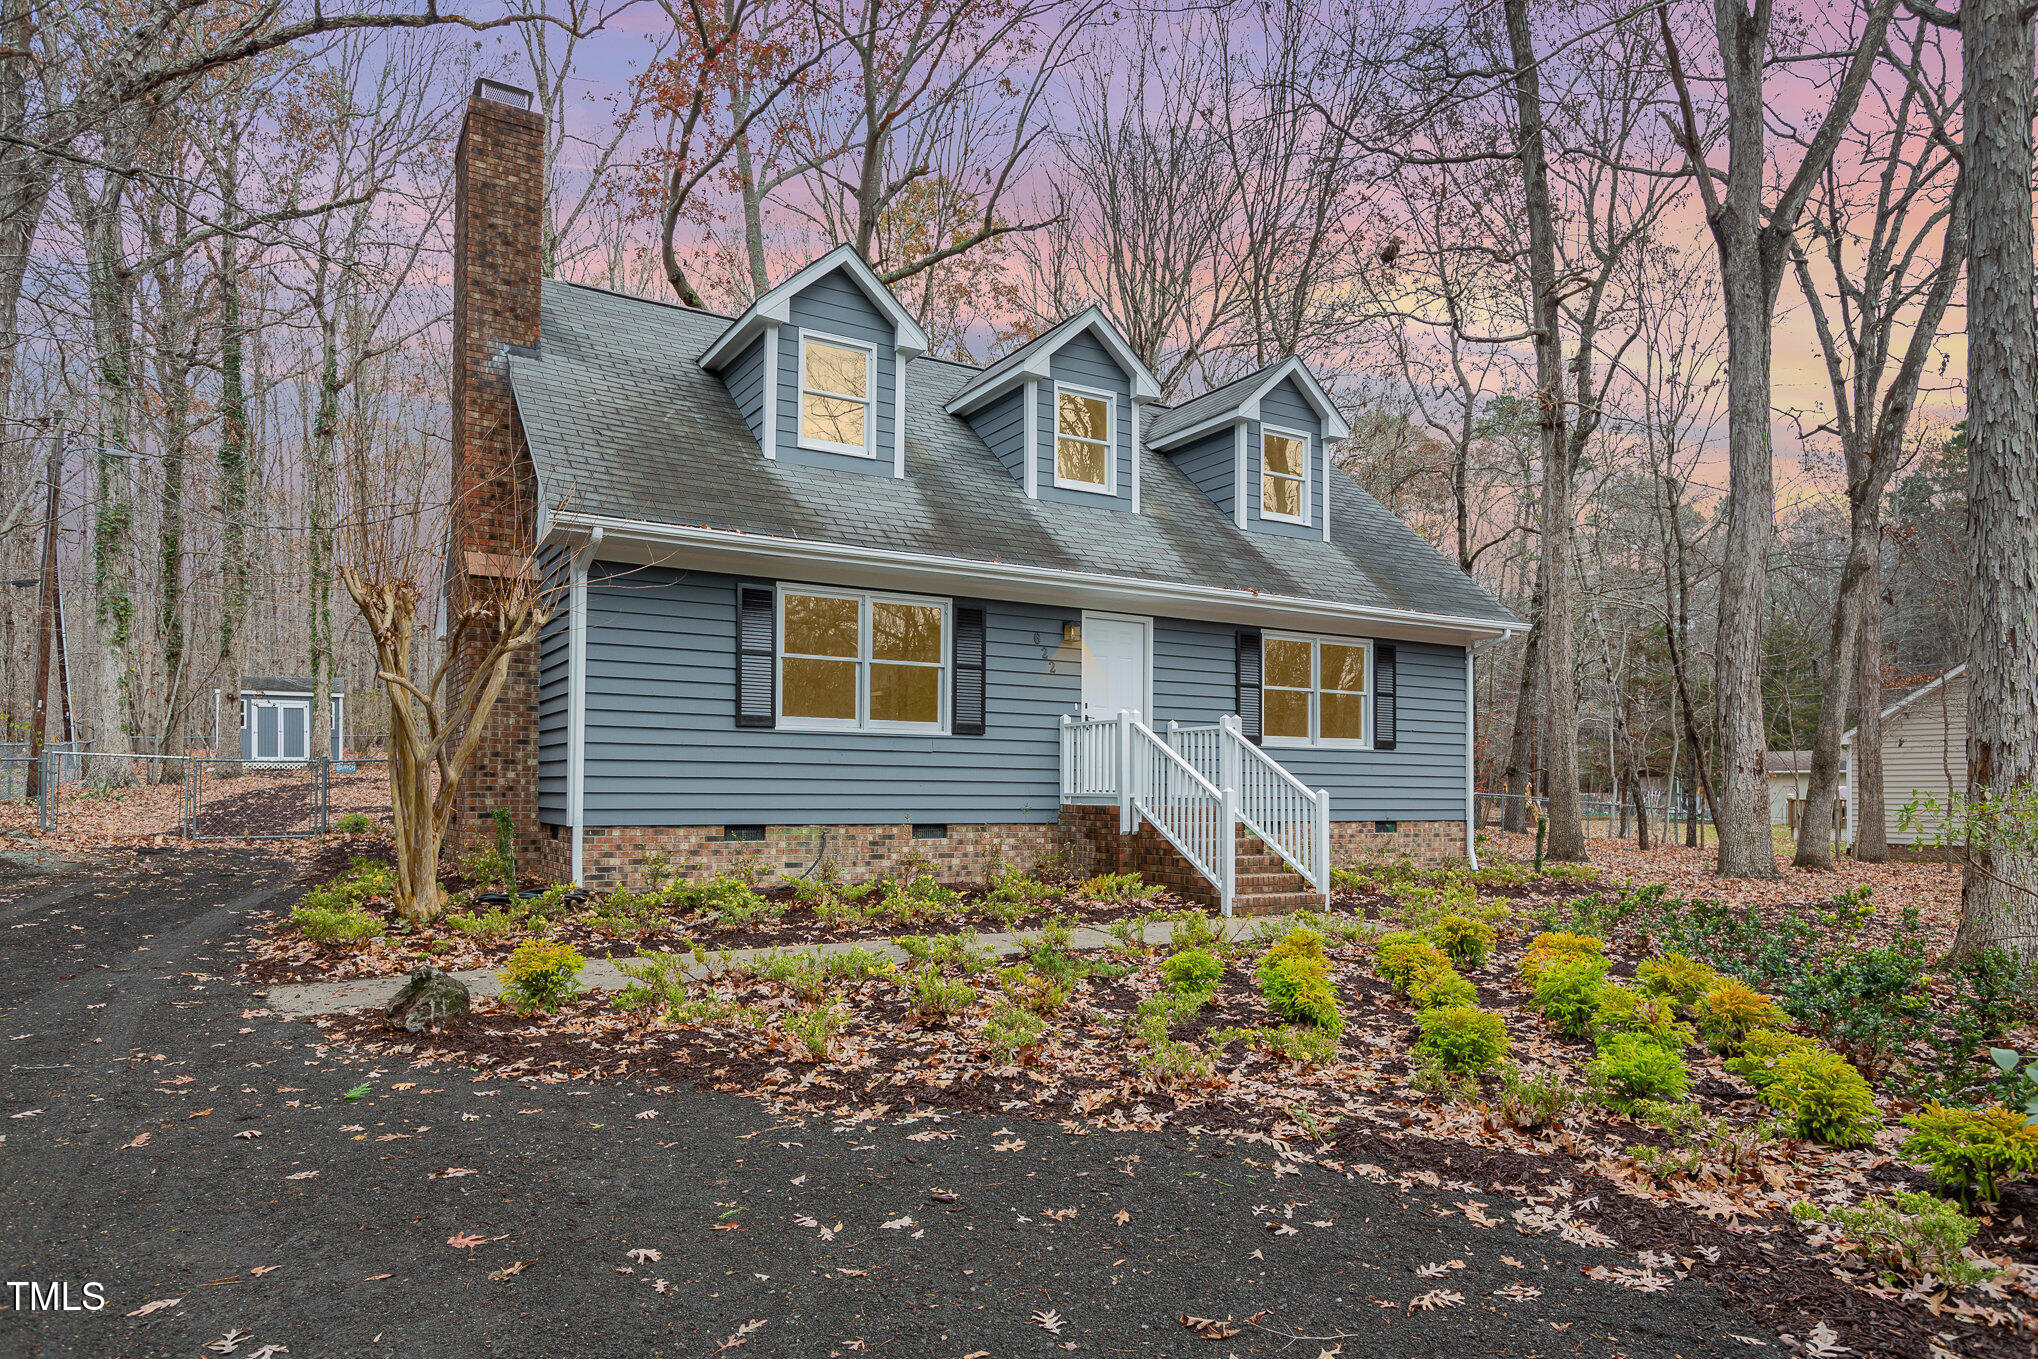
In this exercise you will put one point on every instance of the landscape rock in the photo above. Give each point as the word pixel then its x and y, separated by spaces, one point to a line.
pixel 430 997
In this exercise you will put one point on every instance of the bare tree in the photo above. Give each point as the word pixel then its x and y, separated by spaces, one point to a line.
pixel 1752 237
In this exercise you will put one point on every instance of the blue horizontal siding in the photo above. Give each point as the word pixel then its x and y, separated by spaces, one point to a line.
pixel 1083 362
pixel 663 748
pixel 554 685
pixel 834 305
pixel 1212 463
pixel 1286 407
pixel 1002 427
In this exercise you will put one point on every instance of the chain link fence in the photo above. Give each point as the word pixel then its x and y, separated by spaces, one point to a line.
pixel 99 794
pixel 1603 817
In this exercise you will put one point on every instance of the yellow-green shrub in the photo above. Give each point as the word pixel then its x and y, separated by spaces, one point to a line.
pixel 1468 943
pixel 1824 1097
pixel 1971 1151
pixel 1568 990
pixel 1623 1009
pixel 1729 1010
pixel 1402 956
pixel 1297 988
pixel 1632 1067
pixel 1760 1052
pixel 539 975
pixel 334 924
pixel 1677 978
pixel 1440 987
pixel 1463 1040
pixel 1548 950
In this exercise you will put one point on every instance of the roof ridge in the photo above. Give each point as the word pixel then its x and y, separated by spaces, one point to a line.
pixel 639 297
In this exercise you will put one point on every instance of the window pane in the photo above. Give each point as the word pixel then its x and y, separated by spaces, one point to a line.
pixel 1086 417
pixel 905 632
pixel 819 689
pixel 1279 495
pixel 831 368
pixel 1344 717
pixel 1287 663
pixel 831 419
pixel 1344 667
pixel 1286 714
pixel 1284 455
pixel 820 625
pixel 1075 460
pixel 905 693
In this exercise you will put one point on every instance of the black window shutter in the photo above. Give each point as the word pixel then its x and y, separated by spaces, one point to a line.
pixel 969 670
pixel 1249 685
pixel 1383 696
pixel 756 656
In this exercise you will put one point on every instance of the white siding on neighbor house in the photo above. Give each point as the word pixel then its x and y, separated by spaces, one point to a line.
pixel 1924 750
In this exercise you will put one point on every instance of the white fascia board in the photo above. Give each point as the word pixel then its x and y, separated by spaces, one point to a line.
pixel 776 306
pixel 655 544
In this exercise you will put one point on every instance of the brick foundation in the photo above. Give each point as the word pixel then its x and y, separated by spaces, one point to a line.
pixel 1084 842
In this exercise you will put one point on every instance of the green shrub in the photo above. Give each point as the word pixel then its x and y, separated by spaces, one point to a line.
pixel 1014 894
pixel 1868 1003
pixel 1729 1010
pixel 2018 1088
pixel 1531 1103
pixel 726 898
pixel 334 924
pixel 1468 943
pixel 540 975
pixel 960 951
pixel 1440 987
pixel 1824 1097
pixel 1463 1040
pixel 1013 1031
pixel 1908 1234
pixel 1194 929
pixel 1118 888
pixel 1760 1052
pixel 1169 1008
pixel 1993 990
pixel 1676 978
pixel 935 997
pixel 1634 1068
pixel 1567 992
pixel 1299 942
pixel 1191 970
pixel 354 823
pixel 1302 1044
pixel 816 1028
pixel 1623 1009
pixel 1028 988
pixel 1402 956
pixel 360 880
pixel 1556 948
pixel 658 985
pixel 1972 1151
pixel 1297 988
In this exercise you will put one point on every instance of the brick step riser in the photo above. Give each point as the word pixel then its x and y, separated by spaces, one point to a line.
pixel 1275 904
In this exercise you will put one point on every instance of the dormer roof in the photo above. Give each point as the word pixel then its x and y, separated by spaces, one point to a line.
pixel 1240 400
pixel 1031 360
pixel 774 307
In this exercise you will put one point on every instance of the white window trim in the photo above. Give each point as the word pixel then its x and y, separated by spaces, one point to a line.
pixel 1308 466
pixel 862 723
pixel 1110 400
pixel 868 448
pixel 1315 739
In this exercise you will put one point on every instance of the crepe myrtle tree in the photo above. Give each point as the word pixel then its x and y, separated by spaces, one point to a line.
pixel 436 722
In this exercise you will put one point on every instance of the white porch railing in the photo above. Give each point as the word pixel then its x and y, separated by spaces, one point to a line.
pixel 1272 803
pixel 1197 787
pixel 1193 814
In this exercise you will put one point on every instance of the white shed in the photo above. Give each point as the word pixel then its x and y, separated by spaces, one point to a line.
pixel 1924 750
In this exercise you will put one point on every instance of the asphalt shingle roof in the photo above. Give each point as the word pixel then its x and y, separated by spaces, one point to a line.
pixel 622 421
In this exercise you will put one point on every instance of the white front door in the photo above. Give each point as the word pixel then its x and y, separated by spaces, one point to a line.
pixel 1115 665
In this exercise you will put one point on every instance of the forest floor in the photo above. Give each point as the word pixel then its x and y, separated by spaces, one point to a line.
pixel 236 1183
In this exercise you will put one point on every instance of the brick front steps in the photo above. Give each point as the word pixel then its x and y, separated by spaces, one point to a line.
pixel 1265 884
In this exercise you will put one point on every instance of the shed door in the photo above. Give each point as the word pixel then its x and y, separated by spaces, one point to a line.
pixel 267 729
pixel 296 721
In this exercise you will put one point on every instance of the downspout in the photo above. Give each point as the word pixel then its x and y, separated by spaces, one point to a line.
pixel 576 718
pixel 1471 793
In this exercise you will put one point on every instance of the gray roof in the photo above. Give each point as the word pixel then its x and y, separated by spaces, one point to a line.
pixel 1213 402
pixel 622 421
pixel 283 684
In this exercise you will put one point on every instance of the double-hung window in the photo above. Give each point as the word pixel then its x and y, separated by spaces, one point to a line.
pixel 1284 475
pixel 1083 453
pixel 856 662
pixel 837 382
pixel 1314 690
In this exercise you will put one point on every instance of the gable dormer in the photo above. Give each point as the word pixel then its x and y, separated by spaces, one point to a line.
pixel 817 366
pixel 1062 413
pixel 1259 448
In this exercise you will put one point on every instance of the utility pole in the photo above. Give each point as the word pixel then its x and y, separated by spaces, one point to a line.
pixel 46 616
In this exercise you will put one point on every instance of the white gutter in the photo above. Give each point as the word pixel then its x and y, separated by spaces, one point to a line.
pixel 576 702
pixel 796 556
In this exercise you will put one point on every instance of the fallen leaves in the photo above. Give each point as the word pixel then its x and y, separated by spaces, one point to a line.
pixel 451 1173
pixel 514 1267
pixel 230 1342
pixel 259 1270
pixel 740 1336
pixel 469 1240
pixel 897 1224
pixel 158 1305
pixel 1049 1321
pixel 1210 1328
pixel 645 1255
pixel 303 1175
pixel 1477 1213
pixel 1435 1298
pixel 1121 1217
pixel 141 1139
pixel 1438 1269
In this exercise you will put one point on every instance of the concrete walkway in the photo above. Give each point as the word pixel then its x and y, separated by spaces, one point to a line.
pixel 300 1000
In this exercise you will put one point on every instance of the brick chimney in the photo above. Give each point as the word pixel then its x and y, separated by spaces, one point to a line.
pixel 498 205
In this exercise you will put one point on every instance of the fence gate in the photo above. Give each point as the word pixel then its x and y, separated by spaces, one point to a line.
pixel 256 799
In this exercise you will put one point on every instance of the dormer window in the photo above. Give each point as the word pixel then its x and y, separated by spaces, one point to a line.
pixel 836 379
pixel 1083 440
pixel 1284 476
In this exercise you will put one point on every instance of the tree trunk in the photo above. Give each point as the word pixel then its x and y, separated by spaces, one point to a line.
pixel 1521 743
pixel 1997 908
pixel 232 455
pixel 1559 679
pixel 1864 792
pixel 1843 646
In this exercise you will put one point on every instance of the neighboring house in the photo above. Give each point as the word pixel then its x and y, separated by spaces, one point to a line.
pixel 820 595
pixel 1924 751
pixel 1790 782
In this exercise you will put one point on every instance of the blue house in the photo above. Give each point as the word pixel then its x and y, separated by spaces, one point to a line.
pixel 817 595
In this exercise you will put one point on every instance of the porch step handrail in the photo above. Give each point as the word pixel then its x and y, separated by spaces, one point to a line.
pixel 1283 811
pixel 1124 758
